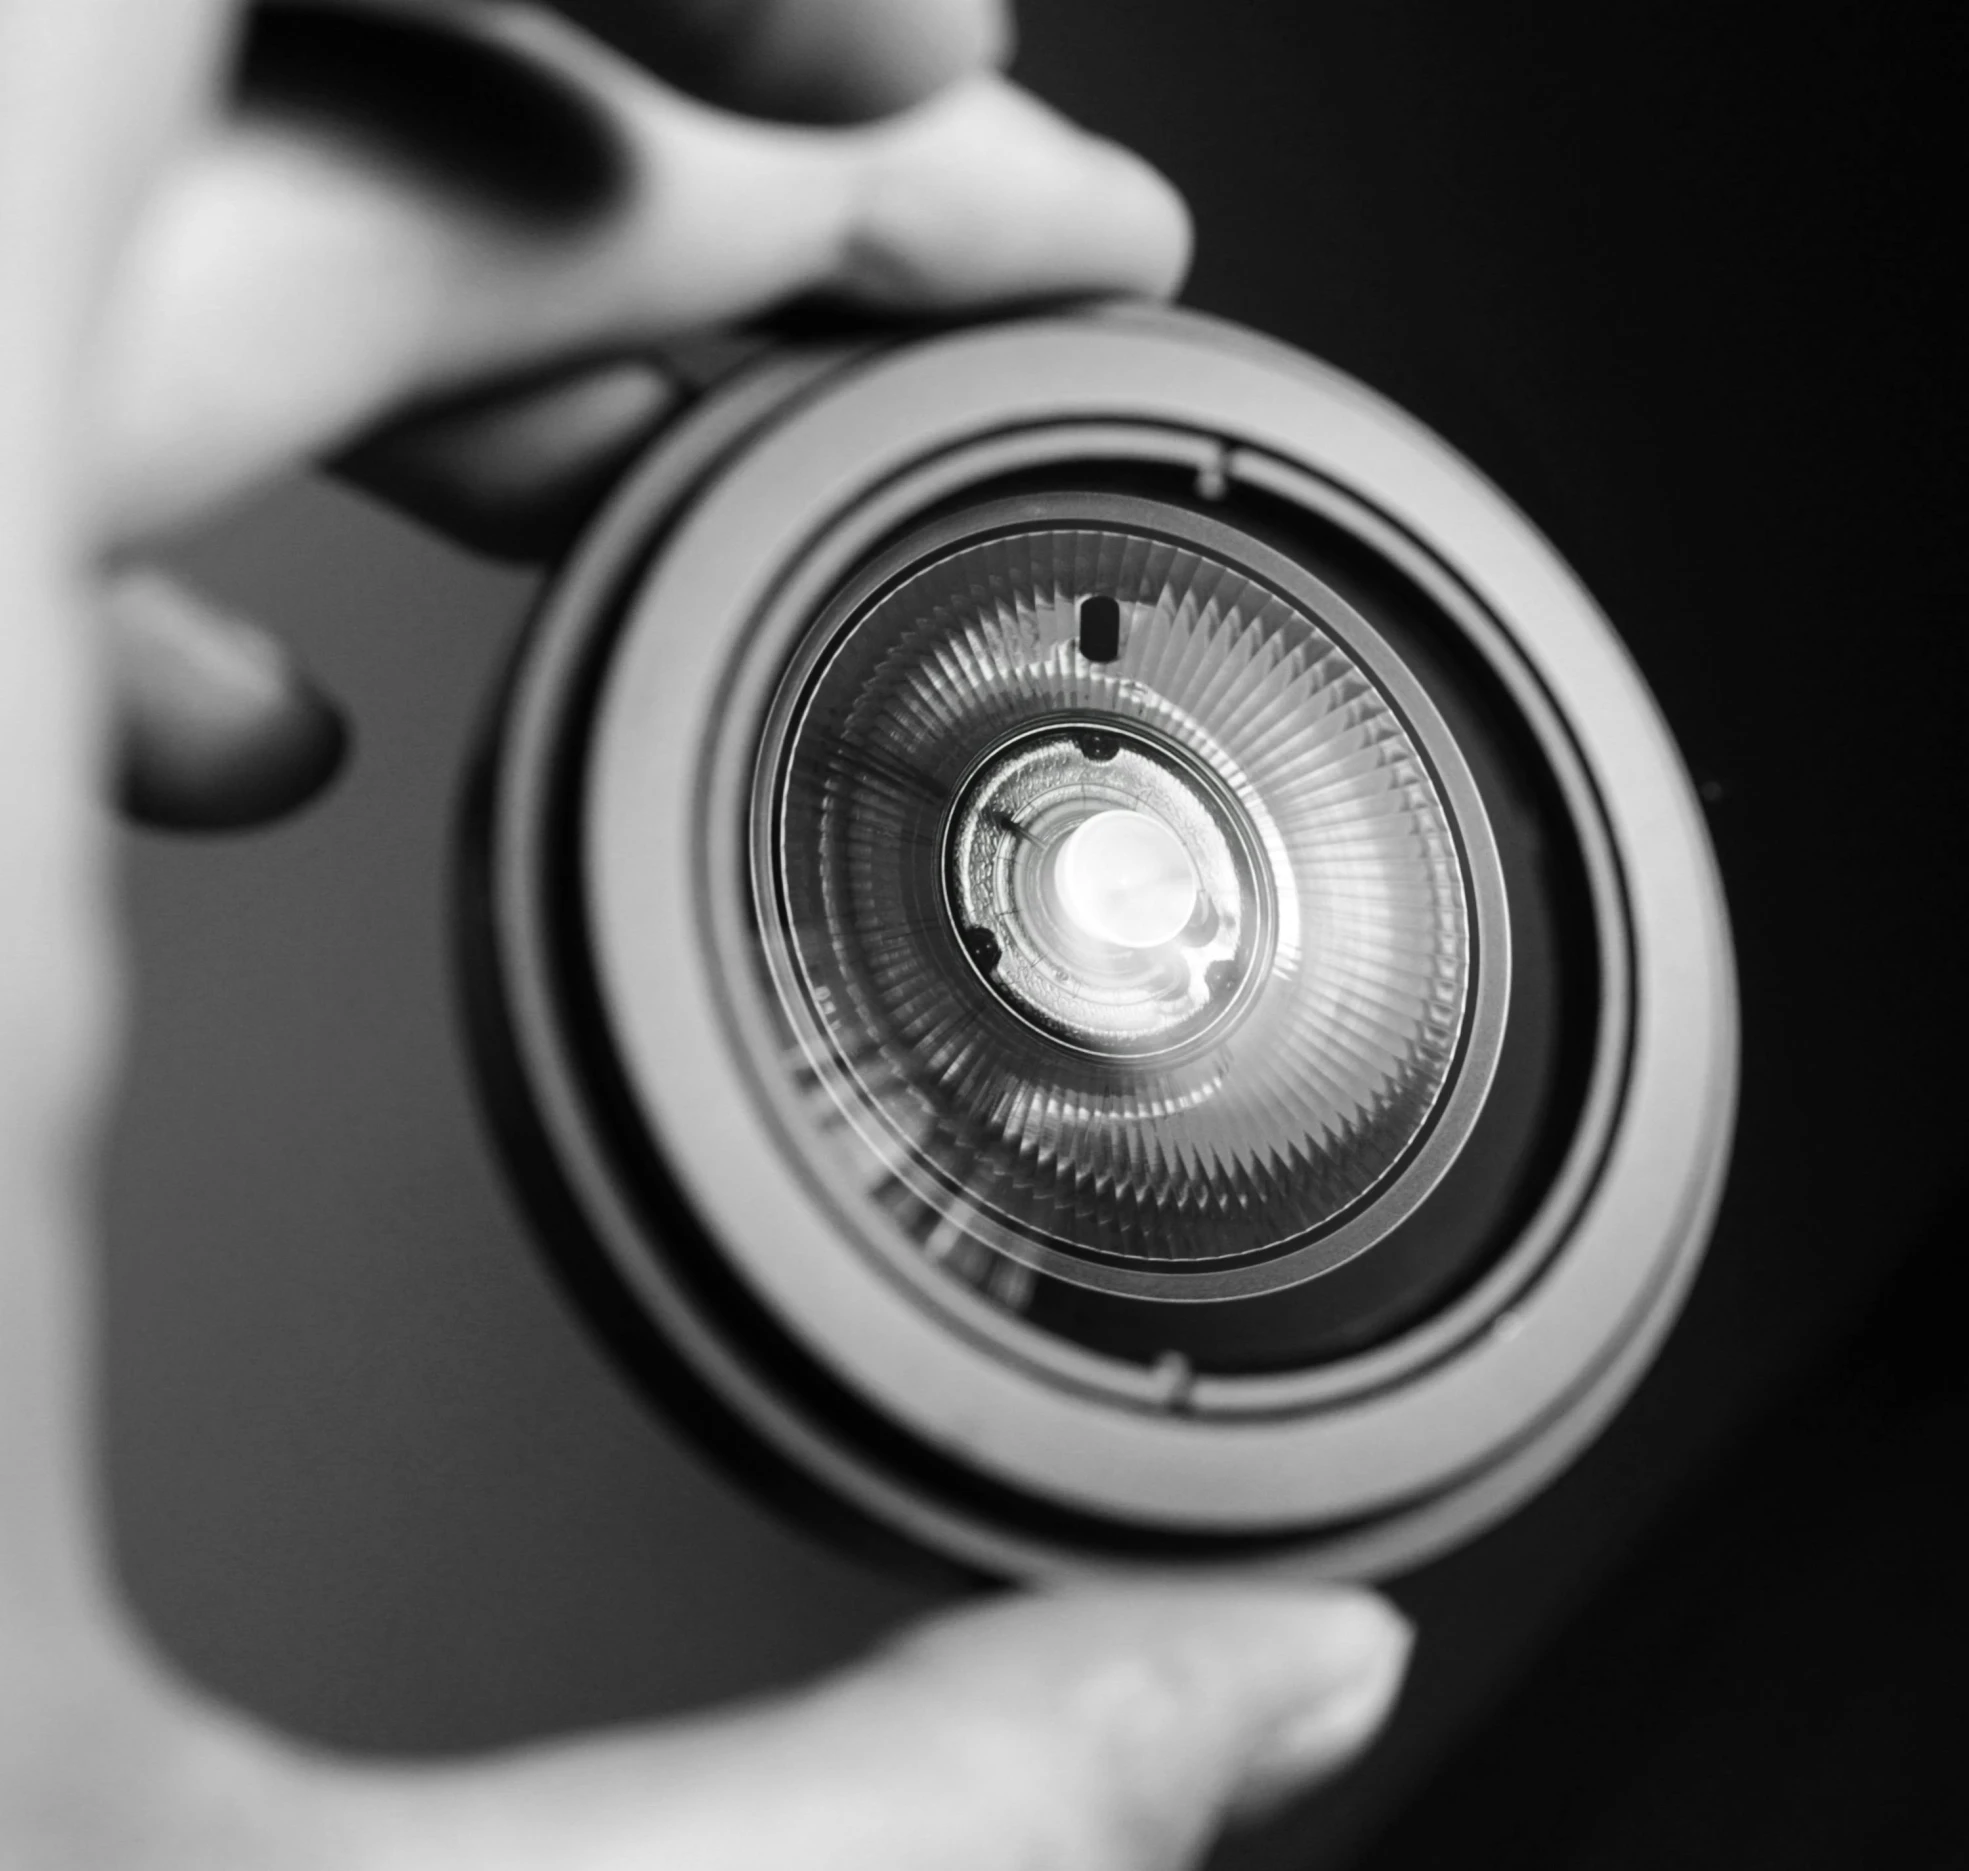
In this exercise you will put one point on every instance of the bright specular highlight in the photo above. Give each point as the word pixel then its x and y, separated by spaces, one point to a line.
pixel 1124 878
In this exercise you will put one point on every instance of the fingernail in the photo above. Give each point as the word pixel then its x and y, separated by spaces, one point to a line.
pixel 1351 1705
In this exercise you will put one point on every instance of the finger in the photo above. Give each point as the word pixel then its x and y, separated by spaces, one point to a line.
pixel 308 273
pixel 1110 1731
pixel 218 727
pixel 515 475
pixel 516 472
pixel 807 61
pixel 1146 1718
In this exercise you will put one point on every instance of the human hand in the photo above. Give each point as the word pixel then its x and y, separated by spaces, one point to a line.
pixel 194 297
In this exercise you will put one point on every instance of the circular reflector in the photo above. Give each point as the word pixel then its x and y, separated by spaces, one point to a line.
pixel 1161 954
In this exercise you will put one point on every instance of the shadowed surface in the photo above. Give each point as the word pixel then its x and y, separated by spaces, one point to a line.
pixel 492 132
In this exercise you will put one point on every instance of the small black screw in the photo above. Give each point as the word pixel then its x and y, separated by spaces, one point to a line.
pixel 1094 745
pixel 982 947
pixel 1220 977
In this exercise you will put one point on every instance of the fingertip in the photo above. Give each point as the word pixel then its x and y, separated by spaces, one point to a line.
pixel 1359 1652
pixel 219 728
pixel 1156 234
pixel 988 196
pixel 1165 1710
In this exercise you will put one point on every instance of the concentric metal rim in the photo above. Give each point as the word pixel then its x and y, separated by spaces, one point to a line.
pixel 1481 1414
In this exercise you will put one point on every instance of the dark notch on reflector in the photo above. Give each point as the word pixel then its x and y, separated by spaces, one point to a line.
pixel 1100 629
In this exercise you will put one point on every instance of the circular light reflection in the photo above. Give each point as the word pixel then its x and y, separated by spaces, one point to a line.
pixel 1124 877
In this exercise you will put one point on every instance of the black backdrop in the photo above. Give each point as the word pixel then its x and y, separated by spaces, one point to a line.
pixel 1673 279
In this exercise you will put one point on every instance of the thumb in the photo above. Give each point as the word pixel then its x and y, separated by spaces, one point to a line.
pixel 1120 1728
pixel 1110 1730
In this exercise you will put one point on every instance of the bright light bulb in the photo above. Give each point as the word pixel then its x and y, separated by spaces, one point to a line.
pixel 1125 878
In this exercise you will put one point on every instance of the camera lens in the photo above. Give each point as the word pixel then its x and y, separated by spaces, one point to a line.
pixel 1088 952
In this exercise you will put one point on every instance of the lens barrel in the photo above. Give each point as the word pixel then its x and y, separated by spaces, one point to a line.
pixel 1090 953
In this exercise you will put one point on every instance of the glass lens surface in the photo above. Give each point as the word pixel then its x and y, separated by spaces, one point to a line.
pixel 1113 908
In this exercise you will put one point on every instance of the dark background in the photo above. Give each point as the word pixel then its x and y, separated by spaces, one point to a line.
pixel 1674 280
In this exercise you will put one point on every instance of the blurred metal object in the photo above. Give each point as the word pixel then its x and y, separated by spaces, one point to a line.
pixel 1317 1232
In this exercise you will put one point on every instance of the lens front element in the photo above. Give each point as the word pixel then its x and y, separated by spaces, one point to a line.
pixel 1150 947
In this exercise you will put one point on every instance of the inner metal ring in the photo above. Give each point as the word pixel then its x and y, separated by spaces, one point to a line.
pixel 1012 827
